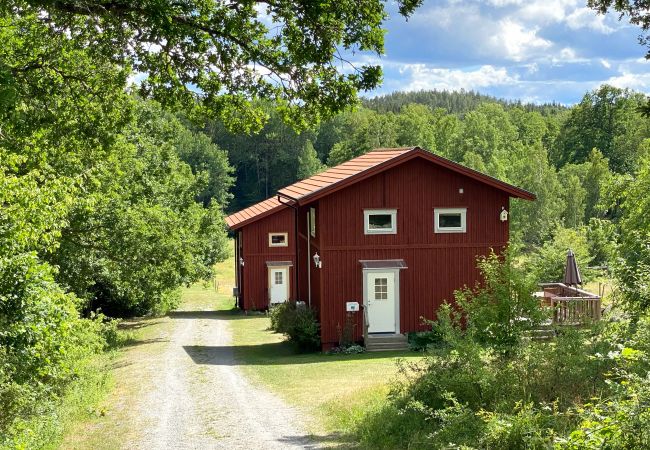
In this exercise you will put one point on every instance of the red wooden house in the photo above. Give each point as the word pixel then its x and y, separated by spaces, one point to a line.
pixel 395 230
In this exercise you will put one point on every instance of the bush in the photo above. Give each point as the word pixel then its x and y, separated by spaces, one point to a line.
pixel 43 342
pixel 298 323
pixel 353 349
pixel 498 310
pixel 588 388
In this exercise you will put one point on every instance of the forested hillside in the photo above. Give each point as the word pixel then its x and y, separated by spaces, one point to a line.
pixel 454 102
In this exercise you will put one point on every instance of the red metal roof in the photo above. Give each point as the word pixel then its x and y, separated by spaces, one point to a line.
pixel 353 171
pixel 254 212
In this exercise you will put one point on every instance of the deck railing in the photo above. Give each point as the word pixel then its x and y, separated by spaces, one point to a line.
pixel 571 306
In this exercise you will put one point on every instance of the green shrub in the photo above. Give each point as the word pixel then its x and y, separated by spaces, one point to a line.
pixel 500 308
pixel 43 342
pixel 485 387
pixel 422 340
pixel 298 322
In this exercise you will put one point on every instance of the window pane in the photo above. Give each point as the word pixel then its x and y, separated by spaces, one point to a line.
pixel 380 221
pixel 381 288
pixel 278 277
pixel 277 239
pixel 449 220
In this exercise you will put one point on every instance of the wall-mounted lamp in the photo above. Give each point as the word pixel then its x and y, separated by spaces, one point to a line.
pixel 241 261
pixel 317 262
pixel 504 214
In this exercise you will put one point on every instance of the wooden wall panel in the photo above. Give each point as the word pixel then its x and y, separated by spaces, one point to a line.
pixel 256 252
pixel 438 264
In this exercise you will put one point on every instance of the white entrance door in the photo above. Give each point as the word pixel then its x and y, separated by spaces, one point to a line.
pixel 278 284
pixel 381 300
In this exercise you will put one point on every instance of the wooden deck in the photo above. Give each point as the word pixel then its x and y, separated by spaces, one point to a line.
pixel 570 306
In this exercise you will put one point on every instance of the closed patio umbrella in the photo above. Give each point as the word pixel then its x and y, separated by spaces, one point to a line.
pixel 571 271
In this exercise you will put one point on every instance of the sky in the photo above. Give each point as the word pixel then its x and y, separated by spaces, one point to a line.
pixel 533 50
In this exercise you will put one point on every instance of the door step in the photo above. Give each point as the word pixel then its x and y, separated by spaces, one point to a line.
pixel 386 342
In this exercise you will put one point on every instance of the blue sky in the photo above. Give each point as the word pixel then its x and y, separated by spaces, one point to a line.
pixel 533 50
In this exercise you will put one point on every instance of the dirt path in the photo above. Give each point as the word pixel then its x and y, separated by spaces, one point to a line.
pixel 192 395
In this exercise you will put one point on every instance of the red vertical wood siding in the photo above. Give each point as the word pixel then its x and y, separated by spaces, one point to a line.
pixel 437 264
pixel 256 252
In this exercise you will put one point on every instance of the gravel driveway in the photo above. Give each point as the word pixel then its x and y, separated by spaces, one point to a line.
pixel 197 398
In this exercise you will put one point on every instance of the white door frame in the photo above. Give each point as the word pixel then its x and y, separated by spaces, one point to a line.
pixel 285 271
pixel 395 272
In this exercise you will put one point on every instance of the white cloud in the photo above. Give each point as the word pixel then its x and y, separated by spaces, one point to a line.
pixel 587 18
pixel 542 12
pixel 423 77
pixel 517 43
pixel 636 81
pixel 605 63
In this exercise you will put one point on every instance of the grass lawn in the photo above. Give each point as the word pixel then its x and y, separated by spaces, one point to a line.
pixel 334 389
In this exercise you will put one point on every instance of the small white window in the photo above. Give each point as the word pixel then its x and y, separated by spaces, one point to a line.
pixel 312 222
pixel 278 277
pixel 278 240
pixel 381 288
pixel 450 220
pixel 380 221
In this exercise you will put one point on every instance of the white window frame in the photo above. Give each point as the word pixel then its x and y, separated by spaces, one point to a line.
pixel 463 220
pixel 286 240
pixel 370 212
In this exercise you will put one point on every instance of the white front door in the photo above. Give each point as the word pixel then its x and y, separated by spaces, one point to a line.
pixel 278 284
pixel 381 299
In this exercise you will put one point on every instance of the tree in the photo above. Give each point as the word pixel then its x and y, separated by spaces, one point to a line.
pixel 308 162
pixel 137 233
pixel 606 119
pixel 634 270
pixel 219 58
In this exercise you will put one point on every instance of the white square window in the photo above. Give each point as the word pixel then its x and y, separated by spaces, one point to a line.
pixel 381 288
pixel 380 221
pixel 278 240
pixel 450 220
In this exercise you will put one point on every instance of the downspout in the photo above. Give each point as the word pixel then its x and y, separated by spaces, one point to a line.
pixel 308 234
pixel 295 210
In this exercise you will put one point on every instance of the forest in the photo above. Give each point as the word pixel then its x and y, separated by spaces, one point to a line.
pixel 113 193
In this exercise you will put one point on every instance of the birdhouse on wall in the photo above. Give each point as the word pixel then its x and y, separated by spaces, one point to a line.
pixel 504 215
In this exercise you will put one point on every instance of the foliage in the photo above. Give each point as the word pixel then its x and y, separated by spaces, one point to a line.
pixel 308 162
pixel 547 263
pixel 42 341
pixel 634 267
pixel 353 349
pixel 298 322
pixel 422 340
pixel 222 57
pixel 586 389
pixel 605 119
pixel 498 310
pixel 138 233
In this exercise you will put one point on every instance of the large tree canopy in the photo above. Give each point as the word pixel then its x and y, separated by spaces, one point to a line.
pixel 219 57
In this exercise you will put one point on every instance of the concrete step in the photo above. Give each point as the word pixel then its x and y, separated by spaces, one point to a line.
pixel 386 342
pixel 387 338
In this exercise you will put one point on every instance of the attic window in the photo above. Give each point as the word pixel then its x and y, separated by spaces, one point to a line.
pixel 380 221
pixel 450 220
pixel 278 240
